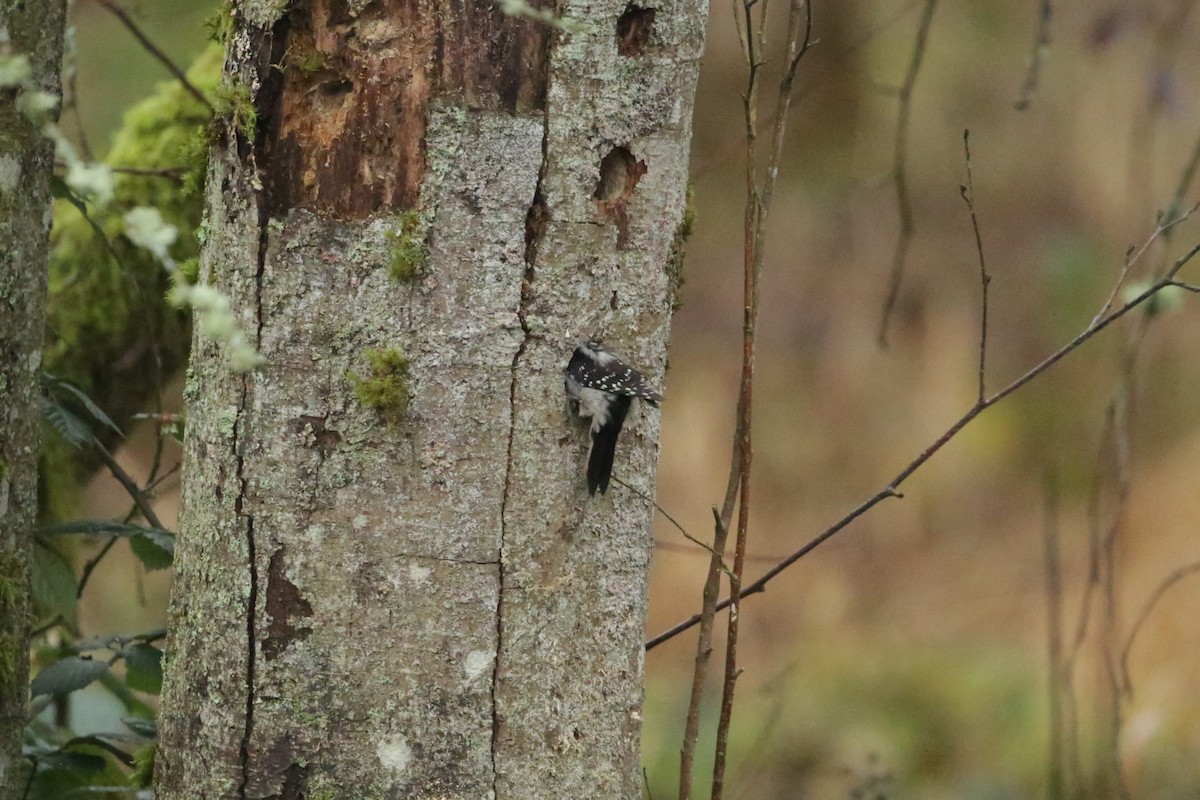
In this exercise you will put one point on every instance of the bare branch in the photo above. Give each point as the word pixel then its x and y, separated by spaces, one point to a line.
pixel 1055 684
pixel 91 565
pixel 891 490
pixel 968 194
pixel 899 171
pixel 130 486
pixel 671 520
pixel 154 50
pixel 1175 577
pixel 706 549
pixel 1134 255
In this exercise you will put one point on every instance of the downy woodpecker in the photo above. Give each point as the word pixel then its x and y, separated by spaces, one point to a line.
pixel 603 387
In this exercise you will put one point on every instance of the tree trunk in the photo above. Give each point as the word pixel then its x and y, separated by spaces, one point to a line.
pixel 34 30
pixel 391 581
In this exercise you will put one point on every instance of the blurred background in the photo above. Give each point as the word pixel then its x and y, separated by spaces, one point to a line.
pixel 907 656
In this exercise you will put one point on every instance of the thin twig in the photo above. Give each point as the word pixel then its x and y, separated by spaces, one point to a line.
pixel 680 547
pixel 758 205
pixel 744 446
pixel 85 148
pixel 1055 685
pixel 723 517
pixel 1110 585
pixel 968 194
pixel 53 623
pixel 1134 255
pixel 1175 577
pixel 891 490
pixel 152 485
pixel 690 622
pixel 33 767
pixel 91 565
pixel 1041 45
pixel 694 540
pixel 900 172
pixel 130 486
pixel 175 173
pixel 727 151
pixel 153 50
pixel 143 300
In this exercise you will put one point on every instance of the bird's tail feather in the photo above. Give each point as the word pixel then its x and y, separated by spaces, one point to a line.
pixel 604 449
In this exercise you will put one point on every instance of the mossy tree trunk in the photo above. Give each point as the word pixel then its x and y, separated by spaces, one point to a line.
pixel 391 581
pixel 33 30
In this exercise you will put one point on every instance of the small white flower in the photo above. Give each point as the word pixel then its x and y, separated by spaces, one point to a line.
pixel 14 70
pixel 37 105
pixel 93 181
pixel 145 227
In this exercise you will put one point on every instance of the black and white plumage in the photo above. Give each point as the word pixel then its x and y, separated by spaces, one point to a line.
pixel 602 387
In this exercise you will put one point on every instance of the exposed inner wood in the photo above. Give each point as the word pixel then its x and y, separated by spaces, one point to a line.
pixel 346 134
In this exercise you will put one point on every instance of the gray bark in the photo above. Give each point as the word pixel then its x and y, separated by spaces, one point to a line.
pixel 26 160
pixel 427 604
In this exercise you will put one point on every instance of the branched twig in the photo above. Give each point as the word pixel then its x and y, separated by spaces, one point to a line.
pixel 141 504
pixel 1134 255
pixel 891 490
pixel 130 486
pixel 1041 45
pixel 758 205
pixel 781 566
pixel 153 50
pixel 758 201
pixel 727 151
pixel 900 172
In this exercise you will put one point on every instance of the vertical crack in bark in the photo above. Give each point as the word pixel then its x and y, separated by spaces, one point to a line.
pixel 252 599
pixel 535 220
pixel 243 490
pixel 274 42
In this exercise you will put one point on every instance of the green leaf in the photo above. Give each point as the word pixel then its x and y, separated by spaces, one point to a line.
pixel 72 429
pixel 93 409
pixel 154 547
pixel 53 586
pixel 143 668
pixel 86 744
pixel 95 643
pixel 68 675
pixel 142 727
pixel 73 761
